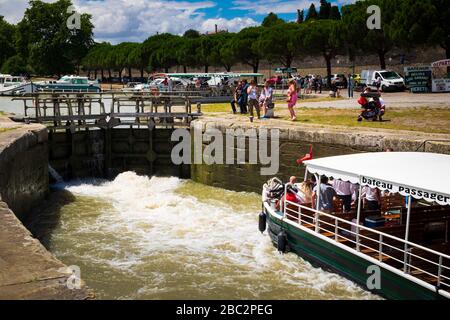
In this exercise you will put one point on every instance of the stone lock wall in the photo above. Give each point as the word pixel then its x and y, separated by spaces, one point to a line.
pixel 295 142
pixel 24 168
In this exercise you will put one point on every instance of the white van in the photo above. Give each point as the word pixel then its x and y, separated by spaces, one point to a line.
pixel 390 80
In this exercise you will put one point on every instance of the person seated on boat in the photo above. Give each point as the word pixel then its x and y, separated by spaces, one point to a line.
pixel 372 197
pixel 305 192
pixel 291 194
pixel 326 198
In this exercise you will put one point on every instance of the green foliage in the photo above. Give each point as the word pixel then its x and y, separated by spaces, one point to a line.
pixel 44 39
pixel 323 37
pixel 272 20
pixel 7 48
pixel 247 47
pixel 312 13
pixel 15 65
pixel 281 44
pixel 191 33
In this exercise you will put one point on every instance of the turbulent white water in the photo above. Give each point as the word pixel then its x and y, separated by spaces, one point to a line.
pixel 164 238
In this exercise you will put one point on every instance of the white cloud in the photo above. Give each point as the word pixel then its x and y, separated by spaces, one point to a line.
pixel 135 20
pixel 263 7
pixel 232 25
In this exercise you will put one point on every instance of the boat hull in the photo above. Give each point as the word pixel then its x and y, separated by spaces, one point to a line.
pixel 331 257
pixel 18 90
pixel 67 88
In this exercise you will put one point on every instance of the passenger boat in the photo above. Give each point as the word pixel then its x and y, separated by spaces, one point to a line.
pixel 14 85
pixel 408 245
pixel 69 84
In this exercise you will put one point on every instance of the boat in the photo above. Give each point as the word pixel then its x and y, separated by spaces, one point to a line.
pixel 14 85
pixel 69 84
pixel 404 243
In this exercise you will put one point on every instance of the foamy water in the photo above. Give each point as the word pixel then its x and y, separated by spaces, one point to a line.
pixel 165 238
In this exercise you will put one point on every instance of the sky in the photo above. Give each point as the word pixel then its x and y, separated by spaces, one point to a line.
pixel 116 21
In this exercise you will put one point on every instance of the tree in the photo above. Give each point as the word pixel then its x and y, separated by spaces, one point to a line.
pixel 272 20
pixel 222 54
pixel 323 37
pixel 440 32
pixel 46 42
pixel 280 43
pixel 191 33
pixel 335 14
pixel 325 9
pixel 247 48
pixel 312 13
pixel 300 16
pixel 7 48
pixel 377 41
pixel 15 65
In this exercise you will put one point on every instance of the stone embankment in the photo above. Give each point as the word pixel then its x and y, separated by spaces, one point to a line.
pixel 295 142
pixel 27 269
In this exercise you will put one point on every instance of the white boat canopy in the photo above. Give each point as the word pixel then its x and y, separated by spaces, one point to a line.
pixel 420 175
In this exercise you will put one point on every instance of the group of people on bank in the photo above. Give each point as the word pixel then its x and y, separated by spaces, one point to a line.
pixel 251 99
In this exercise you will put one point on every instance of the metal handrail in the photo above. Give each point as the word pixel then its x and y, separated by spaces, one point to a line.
pixel 407 265
pixel 371 230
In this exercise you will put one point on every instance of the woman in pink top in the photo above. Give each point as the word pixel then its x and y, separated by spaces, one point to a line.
pixel 292 98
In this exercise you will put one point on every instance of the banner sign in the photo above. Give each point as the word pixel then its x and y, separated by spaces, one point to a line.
pixel 406 190
pixel 418 79
pixel 441 85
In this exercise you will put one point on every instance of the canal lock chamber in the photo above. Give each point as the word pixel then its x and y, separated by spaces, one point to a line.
pixel 139 227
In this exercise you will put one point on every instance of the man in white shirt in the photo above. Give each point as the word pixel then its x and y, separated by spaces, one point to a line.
pixel 344 191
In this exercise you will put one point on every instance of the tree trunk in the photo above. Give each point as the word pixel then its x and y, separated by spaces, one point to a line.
pixel 382 56
pixel 89 74
pixel 184 69
pixel 328 62
pixel 142 72
pixel 109 74
pixel 103 74
pixel 95 73
pixel 120 75
pixel 166 70
pixel 129 72
pixel 228 68
pixel 255 70
pixel 206 68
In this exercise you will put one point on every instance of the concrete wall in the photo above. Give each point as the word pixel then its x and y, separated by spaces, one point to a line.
pixel 295 142
pixel 27 269
pixel 23 168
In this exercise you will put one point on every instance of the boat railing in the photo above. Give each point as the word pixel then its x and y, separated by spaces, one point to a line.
pixel 409 258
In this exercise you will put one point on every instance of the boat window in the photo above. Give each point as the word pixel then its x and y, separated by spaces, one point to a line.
pixel 2 80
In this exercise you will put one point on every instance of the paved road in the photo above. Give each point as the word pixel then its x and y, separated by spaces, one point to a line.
pixel 393 100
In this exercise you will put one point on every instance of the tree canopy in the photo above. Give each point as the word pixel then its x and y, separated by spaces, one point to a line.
pixel 42 44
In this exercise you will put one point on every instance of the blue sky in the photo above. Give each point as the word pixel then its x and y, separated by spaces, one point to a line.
pixel 135 20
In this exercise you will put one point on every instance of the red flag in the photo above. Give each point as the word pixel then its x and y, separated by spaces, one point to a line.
pixel 307 156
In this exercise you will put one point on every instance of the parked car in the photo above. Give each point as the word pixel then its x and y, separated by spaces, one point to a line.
pixel 277 80
pixel 390 80
pixel 340 80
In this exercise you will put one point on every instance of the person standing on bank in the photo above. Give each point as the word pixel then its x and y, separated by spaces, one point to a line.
pixel 234 91
pixel 350 86
pixel 243 99
pixel 292 97
pixel 265 99
pixel 253 102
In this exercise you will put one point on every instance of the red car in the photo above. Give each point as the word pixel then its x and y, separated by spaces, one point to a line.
pixel 275 80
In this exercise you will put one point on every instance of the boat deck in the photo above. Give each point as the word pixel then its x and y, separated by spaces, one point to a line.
pixel 426 254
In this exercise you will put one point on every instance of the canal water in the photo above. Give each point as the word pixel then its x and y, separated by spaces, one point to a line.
pixel 165 238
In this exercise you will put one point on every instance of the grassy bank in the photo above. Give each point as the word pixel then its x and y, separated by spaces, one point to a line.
pixel 426 119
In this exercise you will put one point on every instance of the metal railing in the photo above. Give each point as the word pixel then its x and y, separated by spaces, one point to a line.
pixel 422 263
